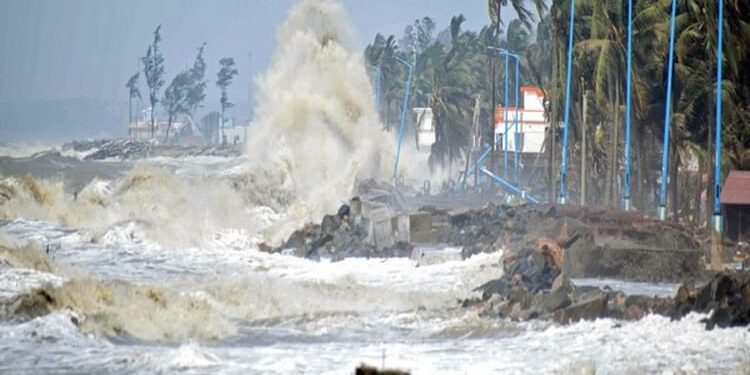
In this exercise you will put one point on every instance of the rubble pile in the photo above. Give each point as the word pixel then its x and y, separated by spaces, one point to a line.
pixel 544 249
pixel 596 243
pixel 337 237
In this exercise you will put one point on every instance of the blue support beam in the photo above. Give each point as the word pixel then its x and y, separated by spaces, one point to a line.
pixel 515 122
pixel 505 135
pixel 378 75
pixel 510 187
pixel 718 144
pixel 507 54
pixel 667 119
pixel 566 125
pixel 404 113
pixel 628 109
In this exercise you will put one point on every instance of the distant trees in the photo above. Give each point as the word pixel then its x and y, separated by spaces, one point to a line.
pixel 197 92
pixel 133 93
pixel 175 98
pixel 452 68
pixel 223 80
pixel 186 92
pixel 153 70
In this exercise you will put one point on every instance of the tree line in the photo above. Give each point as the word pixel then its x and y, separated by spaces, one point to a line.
pixel 186 92
pixel 453 69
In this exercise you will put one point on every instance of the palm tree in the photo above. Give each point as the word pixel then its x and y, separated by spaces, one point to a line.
pixel 521 8
pixel 380 53
pixel 133 93
pixel 454 86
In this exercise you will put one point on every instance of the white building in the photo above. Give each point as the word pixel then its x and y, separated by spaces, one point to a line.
pixel 234 133
pixel 425 128
pixel 532 124
pixel 141 130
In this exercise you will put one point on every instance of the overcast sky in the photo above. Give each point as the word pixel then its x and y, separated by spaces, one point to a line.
pixel 57 49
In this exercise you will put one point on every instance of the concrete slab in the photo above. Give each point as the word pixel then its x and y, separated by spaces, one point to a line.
pixel 425 237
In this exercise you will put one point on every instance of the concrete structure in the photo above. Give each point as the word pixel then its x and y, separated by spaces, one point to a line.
pixel 141 130
pixel 735 199
pixel 234 134
pixel 532 124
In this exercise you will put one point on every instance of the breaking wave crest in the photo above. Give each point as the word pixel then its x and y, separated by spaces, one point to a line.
pixel 207 311
pixel 171 210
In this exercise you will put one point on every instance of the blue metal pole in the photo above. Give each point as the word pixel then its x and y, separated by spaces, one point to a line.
pixel 404 112
pixel 377 71
pixel 505 135
pixel 515 121
pixel 717 145
pixel 509 187
pixel 628 103
pixel 564 165
pixel 667 120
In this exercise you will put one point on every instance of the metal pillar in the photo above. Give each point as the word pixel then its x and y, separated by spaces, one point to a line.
pixel 716 247
pixel 628 109
pixel 564 165
pixel 505 135
pixel 404 112
pixel 515 121
pixel 667 120
pixel 378 74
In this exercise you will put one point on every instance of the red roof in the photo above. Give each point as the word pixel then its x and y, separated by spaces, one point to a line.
pixel 736 188
pixel 535 90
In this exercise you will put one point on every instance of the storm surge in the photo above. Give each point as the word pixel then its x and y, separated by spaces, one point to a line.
pixel 316 132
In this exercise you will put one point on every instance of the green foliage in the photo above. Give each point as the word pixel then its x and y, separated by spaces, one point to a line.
pixel 175 101
pixel 451 69
pixel 133 93
pixel 599 64
pixel 132 86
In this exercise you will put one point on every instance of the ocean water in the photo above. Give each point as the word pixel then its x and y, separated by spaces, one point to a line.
pixel 153 267
pixel 274 314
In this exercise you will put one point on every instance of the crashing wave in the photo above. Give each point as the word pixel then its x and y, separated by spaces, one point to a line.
pixel 316 128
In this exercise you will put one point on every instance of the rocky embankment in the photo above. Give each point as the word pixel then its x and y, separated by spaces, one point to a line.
pixel 544 248
pixel 126 149
pixel 535 287
pixel 597 243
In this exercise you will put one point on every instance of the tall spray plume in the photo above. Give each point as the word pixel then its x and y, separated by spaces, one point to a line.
pixel 316 128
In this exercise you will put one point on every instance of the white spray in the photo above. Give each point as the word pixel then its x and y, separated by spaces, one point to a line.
pixel 316 122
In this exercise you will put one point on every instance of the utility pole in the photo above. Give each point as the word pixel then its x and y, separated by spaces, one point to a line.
pixel 584 151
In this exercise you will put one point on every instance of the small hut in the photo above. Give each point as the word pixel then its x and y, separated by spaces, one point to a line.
pixel 735 198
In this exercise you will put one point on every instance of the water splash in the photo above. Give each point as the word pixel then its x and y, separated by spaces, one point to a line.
pixel 316 127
